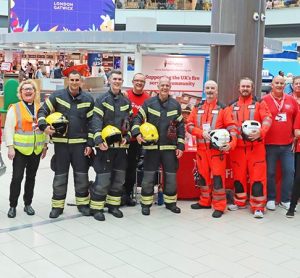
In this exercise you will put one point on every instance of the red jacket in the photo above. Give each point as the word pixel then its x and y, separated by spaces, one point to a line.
pixel 136 100
pixel 216 117
pixel 249 109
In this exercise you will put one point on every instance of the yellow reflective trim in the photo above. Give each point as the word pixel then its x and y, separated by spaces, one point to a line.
pixel 172 113
pixel 147 200
pixel 154 112
pixel 142 111
pixel 170 198
pixel 58 203
pixel 150 147
pixel 179 119
pixel 97 205
pixel 83 105
pixel 49 104
pixel 68 141
pixel 63 103
pixel 41 119
pixel 124 107
pixel 89 114
pixel 135 126
pixel 98 111
pixel 180 140
pixel 91 135
pixel 97 134
pixel 82 200
pixel 168 147
pixel 108 106
pixel 112 200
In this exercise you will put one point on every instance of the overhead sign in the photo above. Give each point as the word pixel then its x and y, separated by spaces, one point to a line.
pixel 186 72
pixel 67 15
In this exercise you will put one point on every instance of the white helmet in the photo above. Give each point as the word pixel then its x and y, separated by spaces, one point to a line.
pixel 249 126
pixel 219 137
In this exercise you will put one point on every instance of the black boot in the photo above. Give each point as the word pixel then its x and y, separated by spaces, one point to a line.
pixel 198 206
pixel 99 215
pixel 114 210
pixel 29 210
pixel 84 210
pixel 145 210
pixel 217 214
pixel 172 207
pixel 55 212
pixel 11 212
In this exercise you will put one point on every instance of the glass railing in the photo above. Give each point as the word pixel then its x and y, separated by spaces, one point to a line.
pixel 192 4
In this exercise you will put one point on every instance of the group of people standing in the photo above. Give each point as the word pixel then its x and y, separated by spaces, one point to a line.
pixel 112 126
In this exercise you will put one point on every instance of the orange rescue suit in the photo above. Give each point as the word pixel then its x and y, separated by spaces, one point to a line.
pixel 211 163
pixel 248 159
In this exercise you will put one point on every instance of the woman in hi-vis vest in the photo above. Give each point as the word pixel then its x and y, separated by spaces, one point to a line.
pixel 26 145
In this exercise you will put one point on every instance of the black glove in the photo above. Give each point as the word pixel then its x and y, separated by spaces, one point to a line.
pixel 125 126
pixel 197 178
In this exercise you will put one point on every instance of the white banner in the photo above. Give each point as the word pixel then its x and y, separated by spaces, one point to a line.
pixel 186 72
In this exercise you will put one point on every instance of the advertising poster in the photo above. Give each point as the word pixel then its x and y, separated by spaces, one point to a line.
pixel 63 15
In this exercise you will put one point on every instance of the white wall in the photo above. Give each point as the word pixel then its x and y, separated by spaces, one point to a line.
pixel 4 7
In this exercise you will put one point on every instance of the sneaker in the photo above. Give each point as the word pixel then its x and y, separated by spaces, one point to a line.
pixel 271 205
pixel 285 205
pixel 290 214
pixel 258 214
pixel 232 207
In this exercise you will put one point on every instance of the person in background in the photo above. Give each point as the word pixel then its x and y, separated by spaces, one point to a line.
pixel 2 165
pixel 71 147
pixel 210 115
pixel 279 141
pixel 111 128
pixel 26 145
pixel 137 96
pixel 164 112
pixel 102 74
pixel 288 89
pixel 57 73
pixel 296 186
pixel 23 75
pixel 248 159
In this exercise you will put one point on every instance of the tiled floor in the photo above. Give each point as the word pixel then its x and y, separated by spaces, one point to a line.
pixel 191 244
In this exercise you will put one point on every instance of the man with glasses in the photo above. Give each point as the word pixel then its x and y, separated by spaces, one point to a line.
pixel 74 146
pixel 137 97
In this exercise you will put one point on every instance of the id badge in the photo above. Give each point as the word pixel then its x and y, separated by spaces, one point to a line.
pixel 206 127
pixel 281 117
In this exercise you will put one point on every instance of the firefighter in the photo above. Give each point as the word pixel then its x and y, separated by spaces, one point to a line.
pixel 249 157
pixel 164 113
pixel 137 96
pixel 211 162
pixel 72 146
pixel 111 122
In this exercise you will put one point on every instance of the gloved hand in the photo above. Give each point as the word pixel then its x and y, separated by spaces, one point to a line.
pixel 197 179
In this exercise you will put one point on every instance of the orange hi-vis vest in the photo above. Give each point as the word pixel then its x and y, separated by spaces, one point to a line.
pixel 27 138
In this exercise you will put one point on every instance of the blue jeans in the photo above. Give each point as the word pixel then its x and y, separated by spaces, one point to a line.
pixel 284 154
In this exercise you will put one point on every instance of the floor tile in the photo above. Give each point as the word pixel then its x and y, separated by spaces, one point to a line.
pixel 128 271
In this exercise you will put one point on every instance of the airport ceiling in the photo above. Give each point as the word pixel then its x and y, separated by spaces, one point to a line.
pixel 123 42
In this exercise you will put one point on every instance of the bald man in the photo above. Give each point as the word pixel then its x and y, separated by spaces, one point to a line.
pixel 279 142
pixel 211 162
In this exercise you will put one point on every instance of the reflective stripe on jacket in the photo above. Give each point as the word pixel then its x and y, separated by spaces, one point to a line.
pixel 27 138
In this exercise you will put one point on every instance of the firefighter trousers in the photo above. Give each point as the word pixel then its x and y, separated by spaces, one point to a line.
pixel 152 161
pixel 64 156
pixel 249 164
pixel 211 165
pixel 110 169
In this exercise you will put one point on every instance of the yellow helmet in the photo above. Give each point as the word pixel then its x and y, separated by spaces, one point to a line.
pixel 110 134
pixel 149 133
pixel 59 122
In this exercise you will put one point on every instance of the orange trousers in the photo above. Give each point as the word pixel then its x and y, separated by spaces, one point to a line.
pixel 249 162
pixel 211 165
